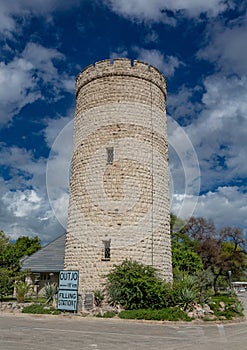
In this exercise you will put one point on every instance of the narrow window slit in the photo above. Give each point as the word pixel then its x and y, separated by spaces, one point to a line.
pixel 107 250
pixel 110 155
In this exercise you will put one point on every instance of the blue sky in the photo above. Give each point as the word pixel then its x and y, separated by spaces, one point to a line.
pixel 200 46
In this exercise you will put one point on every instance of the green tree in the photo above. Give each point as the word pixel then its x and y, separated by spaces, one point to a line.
pixel 184 255
pixel 11 254
pixel 221 251
pixel 185 260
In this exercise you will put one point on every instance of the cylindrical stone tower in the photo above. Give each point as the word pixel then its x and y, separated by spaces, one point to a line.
pixel 119 190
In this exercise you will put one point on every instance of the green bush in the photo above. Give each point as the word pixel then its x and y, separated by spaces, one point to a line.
pixel 107 314
pixel 168 314
pixel 40 309
pixel 136 286
pixel 98 297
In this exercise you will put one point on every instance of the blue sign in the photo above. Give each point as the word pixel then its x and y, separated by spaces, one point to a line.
pixel 69 280
pixel 67 300
pixel 68 290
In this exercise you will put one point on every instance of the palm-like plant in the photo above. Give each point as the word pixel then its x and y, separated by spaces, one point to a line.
pixel 22 288
pixel 49 291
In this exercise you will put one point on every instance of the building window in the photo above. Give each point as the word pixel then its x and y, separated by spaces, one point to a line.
pixel 107 250
pixel 110 155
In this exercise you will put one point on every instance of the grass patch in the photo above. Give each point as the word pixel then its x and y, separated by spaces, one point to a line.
pixel 40 309
pixel 232 307
pixel 8 298
pixel 168 314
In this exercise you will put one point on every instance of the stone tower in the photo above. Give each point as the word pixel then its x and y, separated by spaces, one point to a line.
pixel 119 190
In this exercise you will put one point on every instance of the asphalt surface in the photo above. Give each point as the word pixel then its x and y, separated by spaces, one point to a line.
pixel 32 332
pixel 36 332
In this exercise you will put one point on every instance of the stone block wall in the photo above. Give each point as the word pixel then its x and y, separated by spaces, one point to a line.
pixel 120 109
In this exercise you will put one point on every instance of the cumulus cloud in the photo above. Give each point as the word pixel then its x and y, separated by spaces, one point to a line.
pixel 219 134
pixel 22 79
pixel 34 198
pixel 24 208
pixel 227 46
pixel 27 212
pixel 182 105
pixel 226 206
pixel 120 52
pixel 9 10
pixel 156 10
pixel 23 168
pixel 21 203
pixel 17 87
pixel 167 64
pixel 216 125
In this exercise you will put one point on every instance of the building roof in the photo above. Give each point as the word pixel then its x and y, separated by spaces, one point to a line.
pixel 50 258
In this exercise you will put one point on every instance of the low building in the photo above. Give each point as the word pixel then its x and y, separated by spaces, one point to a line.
pixel 46 263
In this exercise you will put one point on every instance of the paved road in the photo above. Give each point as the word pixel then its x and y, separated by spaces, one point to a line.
pixel 30 332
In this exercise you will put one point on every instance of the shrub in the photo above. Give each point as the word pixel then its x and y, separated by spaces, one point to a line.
pixel 49 291
pixel 107 314
pixel 40 309
pixel 168 314
pixel 136 286
pixel 98 297
pixel 6 283
pixel 185 291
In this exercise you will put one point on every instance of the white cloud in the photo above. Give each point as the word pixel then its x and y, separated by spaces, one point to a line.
pixel 43 61
pixel 26 211
pixel 183 105
pixel 219 134
pixel 119 53
pixel 226 206
pixel 155 10
pixel 227 46
pixel 22 203
pixel 24 170
pixel 216 126
pixel 28 206
pixel 167 64
pixel 25 8
pixel 55 126
pixel 17 87
pixel 22 79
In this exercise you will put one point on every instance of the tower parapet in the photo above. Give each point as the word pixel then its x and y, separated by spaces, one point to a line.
pixel 121 67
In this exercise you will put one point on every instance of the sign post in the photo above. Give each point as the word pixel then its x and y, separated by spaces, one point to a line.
pixel 68 290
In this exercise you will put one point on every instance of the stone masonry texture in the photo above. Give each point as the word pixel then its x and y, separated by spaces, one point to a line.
pixel 121 110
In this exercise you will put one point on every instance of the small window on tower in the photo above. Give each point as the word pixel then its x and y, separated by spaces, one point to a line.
pixel 107 250
pixel 110 155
